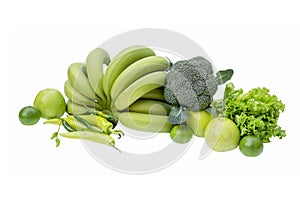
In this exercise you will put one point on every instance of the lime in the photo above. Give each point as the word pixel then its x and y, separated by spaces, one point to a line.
pixel 222 134
pixel 181 134
pixel 29 115
pixel 251 146
pixel 198 121
pixel 51 103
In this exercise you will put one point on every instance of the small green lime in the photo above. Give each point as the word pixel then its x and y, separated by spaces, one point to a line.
pixel 181 134
pixel 251 146
pixel 29 116
pixel 51 103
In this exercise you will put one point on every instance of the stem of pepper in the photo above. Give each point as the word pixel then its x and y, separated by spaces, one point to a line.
pixel 117 149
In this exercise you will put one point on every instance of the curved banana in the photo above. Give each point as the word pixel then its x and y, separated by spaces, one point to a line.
pixel 121 62
pixel 79 98
pixel 137 70
pixel 94 67
pixel 145 122
pixel 78 79
pixel 150 107
pixel 73 108
pixel 157 94
pixel 139 88
pixel 126 50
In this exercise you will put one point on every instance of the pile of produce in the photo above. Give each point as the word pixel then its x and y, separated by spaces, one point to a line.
pixel 146 92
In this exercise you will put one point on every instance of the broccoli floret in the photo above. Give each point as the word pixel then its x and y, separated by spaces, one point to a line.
pixel 211 85
pixel 202 63
pixel 191 84
pixel 171 97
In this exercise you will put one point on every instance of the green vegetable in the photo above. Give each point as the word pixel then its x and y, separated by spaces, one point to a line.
pixel 255 113
pixel 251 146
pixel 181 134
pixel 29 116
pixel 55 121
pixel 101 123
pixel 67 126
pixel 107 115
pixel 91 136
pixel 221 134
pixel 80 125
pixel 51 103
pixel 192 84
pixel 87 124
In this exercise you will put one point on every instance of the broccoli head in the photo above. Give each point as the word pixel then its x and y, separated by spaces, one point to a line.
pixel 191 84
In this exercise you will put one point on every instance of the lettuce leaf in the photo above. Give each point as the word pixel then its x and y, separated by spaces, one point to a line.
pixel 255 113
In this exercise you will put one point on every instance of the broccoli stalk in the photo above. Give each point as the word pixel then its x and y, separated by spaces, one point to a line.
pixel 191 84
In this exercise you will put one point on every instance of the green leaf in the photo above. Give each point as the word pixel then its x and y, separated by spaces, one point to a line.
pixel 57 142
pixel 224 76
pixel 228 90
pixel 178 115
pixel 255 113
pixel 54 135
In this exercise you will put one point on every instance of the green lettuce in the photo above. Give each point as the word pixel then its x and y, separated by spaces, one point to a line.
pixel 255 113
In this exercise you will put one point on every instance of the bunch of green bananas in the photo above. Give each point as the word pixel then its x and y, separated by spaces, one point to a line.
pixel 131 89
pixel 84 85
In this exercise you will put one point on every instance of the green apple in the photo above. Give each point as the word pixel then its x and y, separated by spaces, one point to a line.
pixel 198 121
pixel 51 103
pixel 222 134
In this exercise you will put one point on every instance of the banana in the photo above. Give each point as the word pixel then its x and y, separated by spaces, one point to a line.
pixel 78 79
pixel 157 94
pixel 137 70
pixel 150 107
pixel 94 66
pixel 139 88
pixel 145 122
pixel 121 62
pixel 79 98
pixel 126 50
pixel 73 108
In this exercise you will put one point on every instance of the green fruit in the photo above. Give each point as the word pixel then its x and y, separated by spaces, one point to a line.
pixel 251 146
pixel 222 134
pixel 181 134
pixel 29 116
pixel 51 103
pixel 198 121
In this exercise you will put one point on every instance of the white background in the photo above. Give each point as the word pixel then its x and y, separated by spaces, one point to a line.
pixel 259 39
